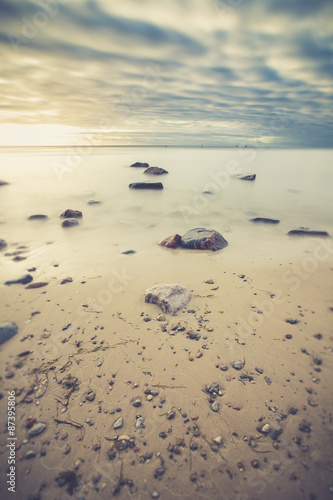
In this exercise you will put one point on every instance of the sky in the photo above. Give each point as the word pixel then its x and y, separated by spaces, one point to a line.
pixel 168 72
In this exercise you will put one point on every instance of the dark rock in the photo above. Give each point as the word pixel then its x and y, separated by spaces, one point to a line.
pixel 69 213
pixel 203 239
pixel 93 202
pixel 128 252
pixel 302 231
pixel 24 280
pixel 171 241
pixel 264 220
pixel 3 183
pixel 170 298
pixel 7 331
pixel 292 321
pixel 38 217
pixel 245 177
pixel 141 165
pixel 146 185
pixel 155 171
pixel 66 280
pixel 70 223
pixel 38 284
pixel 3 244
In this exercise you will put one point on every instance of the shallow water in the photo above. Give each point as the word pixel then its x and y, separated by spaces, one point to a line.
pixel 291 185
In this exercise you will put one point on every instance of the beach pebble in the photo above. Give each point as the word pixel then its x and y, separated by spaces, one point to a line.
pixel 136 403
pixel 238 365
pixel 266 429
pixel 37 429
pixel 23 280
pixel 30 454
pixel 93 202
pixel 90 395
pixel 155 494
pixel 66 280
pixel 215 406
pixel 224 368
pixel 218 440
pixel 275 432
pixel 128 252
pixel 70 223
pixel 150 397
pixel 7 331
pixel 118 423
pixel 38 217
pixel 317 359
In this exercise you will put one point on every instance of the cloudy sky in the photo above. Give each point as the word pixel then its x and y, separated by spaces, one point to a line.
pixel 176 72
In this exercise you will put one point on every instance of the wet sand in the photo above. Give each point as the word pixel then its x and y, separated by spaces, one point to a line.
pixel 92 331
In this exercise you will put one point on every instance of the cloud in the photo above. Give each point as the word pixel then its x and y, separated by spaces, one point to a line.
pixel 177 70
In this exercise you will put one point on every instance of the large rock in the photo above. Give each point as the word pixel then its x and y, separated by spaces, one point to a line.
pixel 264 220
pixel 146 185
pixel 171 241
pixel 7 331
pixel 3 244
pixel 203 239
pixel 69 213
pixel 170 298
pixel 70 222
pixel 140 165
pixel 302 231
pixel 155 171
pixel 23 280
pixel 245 177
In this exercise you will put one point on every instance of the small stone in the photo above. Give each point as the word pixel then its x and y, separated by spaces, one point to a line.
pixel 155 494
pixel 170 415
pixel 150 397
pixel 37 429
pixel 255 464
pixel 209 282
pixel 70 223
pixel 67 449
pixel 69 214
pixel 238 365
pixel 224 368
pixel 292 321
pixel 266 429
pixel 275 432
pixel 136 403
pixel 317 359
pixel 118 423
pixel 161 317
pixel 215 406
pixel 90 395
pixel 66 280
pixel 93 202
pixel 128 252
pixel 3 244
pixel 38 217
pixel 23 280
pixel 30 454
pixel 218 440
pixel 289 336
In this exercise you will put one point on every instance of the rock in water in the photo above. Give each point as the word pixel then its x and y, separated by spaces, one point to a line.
pixel 69 213
pixel 302 231
pixel 155 171
pixel 171 241
pixel 7 331
pixel 3 183
pixel 203 239
pixel 93 202
pixel 38 217
pixel 38 284
pixel 170 298
pixel 3 244
pixel 245 177
pixel 70 223
pixel 146 185
pixel 24 280
pixel 141 165
pixel 264 220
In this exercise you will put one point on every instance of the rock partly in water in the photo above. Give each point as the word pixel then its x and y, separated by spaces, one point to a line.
pixel 3 183
pixel 7 331
pixel 171 241
pixel 140 164
pixel 93 202
pixel 38 217
pixel 24 280
pixel 70 223
pixel 245 177
pixel 69 213
pixel 38 284
pixel 170 298
pixel 203 239
pixel 3 244
pixel 66 280
pixel 146 185
pixel 155 171
pixel 264 220
pixel 303 231
pixel 128 252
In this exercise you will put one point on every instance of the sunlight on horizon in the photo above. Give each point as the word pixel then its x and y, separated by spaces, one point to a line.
pixel 14 134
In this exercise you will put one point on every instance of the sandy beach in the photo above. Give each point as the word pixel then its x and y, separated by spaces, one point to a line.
pixel 256 338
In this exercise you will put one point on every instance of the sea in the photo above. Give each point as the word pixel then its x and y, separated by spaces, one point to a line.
pixel 291 185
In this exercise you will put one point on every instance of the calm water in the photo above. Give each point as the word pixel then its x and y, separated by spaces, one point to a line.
pixel 294 186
